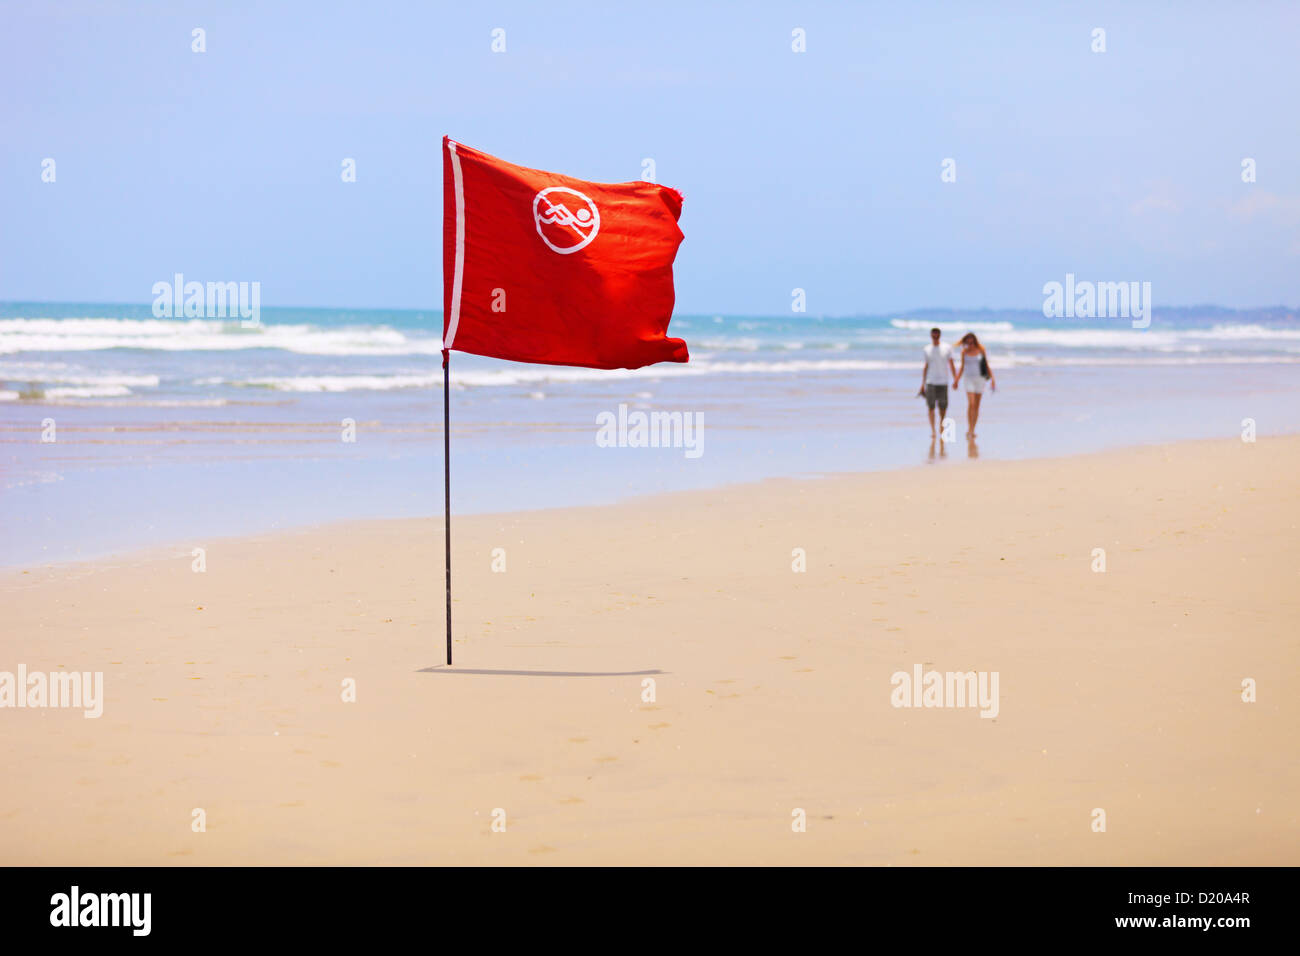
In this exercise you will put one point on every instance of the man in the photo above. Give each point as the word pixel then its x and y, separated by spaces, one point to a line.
pixel 934 378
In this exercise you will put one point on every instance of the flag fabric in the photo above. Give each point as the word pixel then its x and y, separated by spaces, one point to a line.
pixel 539 267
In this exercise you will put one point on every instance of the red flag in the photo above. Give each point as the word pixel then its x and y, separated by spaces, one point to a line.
pixel 539 267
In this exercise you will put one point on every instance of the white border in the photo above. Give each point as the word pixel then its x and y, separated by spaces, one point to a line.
pixel 459 273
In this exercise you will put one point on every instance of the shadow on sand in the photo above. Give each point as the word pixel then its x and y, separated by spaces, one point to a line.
pixel 444 669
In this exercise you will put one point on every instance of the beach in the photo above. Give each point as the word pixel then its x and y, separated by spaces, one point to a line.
pixel 771 695
pixel 121 431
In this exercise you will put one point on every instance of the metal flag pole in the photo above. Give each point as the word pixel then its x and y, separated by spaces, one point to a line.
pixel 446 479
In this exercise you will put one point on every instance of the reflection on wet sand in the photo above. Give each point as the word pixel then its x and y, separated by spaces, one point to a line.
pixel 972 450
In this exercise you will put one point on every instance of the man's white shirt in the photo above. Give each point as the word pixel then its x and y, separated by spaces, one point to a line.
pixel 936 364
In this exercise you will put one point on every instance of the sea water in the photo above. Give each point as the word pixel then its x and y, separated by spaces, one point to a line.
pixel 120 430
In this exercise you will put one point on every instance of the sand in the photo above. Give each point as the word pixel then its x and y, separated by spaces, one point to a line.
pixel 1119 691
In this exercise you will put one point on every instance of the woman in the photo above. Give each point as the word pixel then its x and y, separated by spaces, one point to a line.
pixel 976 359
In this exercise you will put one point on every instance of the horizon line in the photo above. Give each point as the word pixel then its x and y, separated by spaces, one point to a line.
pixel 896 313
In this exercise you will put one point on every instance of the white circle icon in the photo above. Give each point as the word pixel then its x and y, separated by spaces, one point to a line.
pixel 562 228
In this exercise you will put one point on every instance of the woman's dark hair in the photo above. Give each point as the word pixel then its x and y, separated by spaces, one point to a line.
pixel 970 339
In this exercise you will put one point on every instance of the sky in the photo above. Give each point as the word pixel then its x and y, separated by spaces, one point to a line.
pixel 819 170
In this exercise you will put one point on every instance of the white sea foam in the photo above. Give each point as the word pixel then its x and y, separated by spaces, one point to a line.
pixel 1145 361
pixel 94 334
pixel 1232 332
pixel 539 374
pixel 1123 338
pixel 741 344
pixel 926 325
pixel 28 372
pixel 878 349
pixel 17 368
pixel 199 335
pixel 94 391
pixel 535 375
pixel 1130 339
pixel 340 383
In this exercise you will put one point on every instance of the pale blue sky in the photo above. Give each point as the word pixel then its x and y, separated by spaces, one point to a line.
pixel 819 170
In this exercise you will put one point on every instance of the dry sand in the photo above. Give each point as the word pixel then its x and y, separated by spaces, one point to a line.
pixel 1118 690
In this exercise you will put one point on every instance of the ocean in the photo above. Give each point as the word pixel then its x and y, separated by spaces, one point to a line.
pixel 122 431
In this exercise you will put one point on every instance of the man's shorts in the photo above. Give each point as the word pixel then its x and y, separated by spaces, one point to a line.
pixel 936 394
